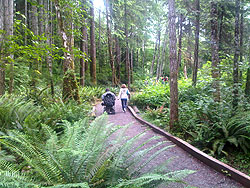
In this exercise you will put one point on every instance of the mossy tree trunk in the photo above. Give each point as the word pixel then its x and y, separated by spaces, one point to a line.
pixel 70 87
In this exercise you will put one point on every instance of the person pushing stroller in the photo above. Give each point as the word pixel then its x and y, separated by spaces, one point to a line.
pixel 108 99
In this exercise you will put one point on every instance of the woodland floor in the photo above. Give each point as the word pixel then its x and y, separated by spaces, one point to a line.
pixel 204 177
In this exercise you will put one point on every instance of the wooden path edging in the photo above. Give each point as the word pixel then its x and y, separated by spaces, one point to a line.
pixel 208 160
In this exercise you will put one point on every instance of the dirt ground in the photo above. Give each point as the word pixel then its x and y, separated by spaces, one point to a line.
pixel 204 177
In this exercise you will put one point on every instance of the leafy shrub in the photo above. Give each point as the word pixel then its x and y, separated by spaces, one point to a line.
pixel 18 112
pixel 82 156
pixel 153 96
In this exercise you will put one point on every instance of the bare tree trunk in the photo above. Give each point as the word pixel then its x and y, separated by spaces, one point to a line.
pixel 181 20
pixel 117 57
pixel 9 30
pixel 131 65
pixel 83 48
pixel 92 45
pixel 48 35
pixel 196 50
pixel 215 52
pixel 241 40
pixel 143 54
pixel 158 56
pixel 70 87
pixel 163 54
pixel 247 88
pixel 2 63
pixel 236 56
pixel 221 26
pixel 127 47
pixel 111 57
pixel 173 66
pixel 154 57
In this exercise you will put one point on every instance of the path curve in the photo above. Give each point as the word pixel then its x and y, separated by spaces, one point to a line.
pixel 204 177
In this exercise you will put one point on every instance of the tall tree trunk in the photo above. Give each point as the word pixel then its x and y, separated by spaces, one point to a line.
pixel 215 52
pixel 163 54
pixel 2 63
pixel 99 43
pixel 92 45
pixel 247 88
pixel 70 87
pixel 9 31
pixel 83 48
pixel 241 40
pixel 158 56
pixel 236 56
pixel 117 58
pixel 173 66
pixel 196 49
pixel 143 54
pixel 48 35
pixel 111 57
pixel 154 57
pixel 131 64
pixel 221 26
pixel 181 20
pixel 127 47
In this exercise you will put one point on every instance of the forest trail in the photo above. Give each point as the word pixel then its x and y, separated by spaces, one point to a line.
pixel 204 177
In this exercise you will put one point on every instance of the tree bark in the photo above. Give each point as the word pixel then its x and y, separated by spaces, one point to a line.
pixel 158 56
pixel 215 52
pixel 196 49
pixel 70 87
pixel 84 49
pixel 181 20
pixel 48 35
pixel 236 56
pixel 111 57
pixel 154 57
pixel 92 45
pixel 117 58
pixel 127 47
pixel 173 66
pixel 2 63
pixel 241 40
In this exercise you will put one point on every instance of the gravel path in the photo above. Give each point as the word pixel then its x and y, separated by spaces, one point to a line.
pixel 204 177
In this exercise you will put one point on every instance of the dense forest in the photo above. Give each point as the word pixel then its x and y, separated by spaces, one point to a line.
pixel 187 64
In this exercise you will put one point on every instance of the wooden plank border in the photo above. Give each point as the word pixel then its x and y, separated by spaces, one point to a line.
pixel 208 160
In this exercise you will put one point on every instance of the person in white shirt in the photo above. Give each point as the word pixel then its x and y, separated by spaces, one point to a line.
pixel 124 95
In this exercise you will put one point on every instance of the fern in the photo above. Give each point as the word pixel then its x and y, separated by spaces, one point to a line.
pixel 98 154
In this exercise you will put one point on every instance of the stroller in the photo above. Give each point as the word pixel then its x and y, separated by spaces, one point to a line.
pixel 109 103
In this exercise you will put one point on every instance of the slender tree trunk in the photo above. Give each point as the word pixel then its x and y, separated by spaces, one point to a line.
pixel 2 63
pixel 196 50
pixel 158 56
pixel 48 35
pixel 83 48
pixel 143 54
pixel 131 64
pixel 127 47
pixel 221 26
pixel 9 30
pixel 70 87
pixel 154 57
pixel 117 58
pixel 241 40
pixel 25 20
pixel 181 20
pixel 111 57
pixel 236 56
pixel 247 88
pixel 92 45
pixel 99 42
pixel 173 66
pixel 215 52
